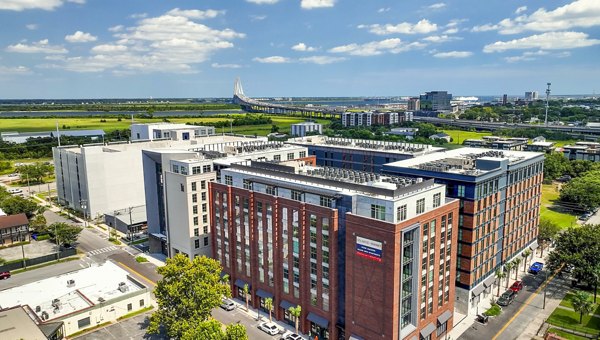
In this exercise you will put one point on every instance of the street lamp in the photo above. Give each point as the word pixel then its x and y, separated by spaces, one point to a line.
pixel 545 288
pixel 83 205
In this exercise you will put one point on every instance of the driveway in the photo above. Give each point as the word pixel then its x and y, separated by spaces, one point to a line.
pixel 132 328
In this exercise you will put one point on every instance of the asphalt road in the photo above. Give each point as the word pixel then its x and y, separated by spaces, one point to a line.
pixel 239 315
pixel 496 325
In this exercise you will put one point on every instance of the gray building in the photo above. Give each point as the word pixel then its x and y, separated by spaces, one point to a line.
pixel 585 151
pixel 22 137
pixel 154 131
pixel 301 129
pixel 436 101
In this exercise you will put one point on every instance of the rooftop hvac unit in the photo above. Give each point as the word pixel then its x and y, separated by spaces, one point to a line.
pixel 123 287
pixel 101 299
pixel 45 316
pixel 38 309
pixel 70 283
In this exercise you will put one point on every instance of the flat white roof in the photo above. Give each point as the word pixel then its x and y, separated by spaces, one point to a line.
pixel 366 145
pixel 171 126
pixel 91 285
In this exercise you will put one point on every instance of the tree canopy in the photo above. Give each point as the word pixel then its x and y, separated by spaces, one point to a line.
pixel 584 190
pixel 35 172
pixel 64 233
pixel 13 205
pixel 578 247
pixel 186 295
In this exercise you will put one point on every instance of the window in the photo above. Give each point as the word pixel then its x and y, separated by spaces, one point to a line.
pixel 437 200
pixel 193 186
pixel 83 322
pixel 196 232
pixel 203 196
pixel 204 207
pixel 195 170
pixel 196 220
pixel 277 158
pixel 290 156
pixel 302 154
pixel 142 303
pixel 325 201
pixel 271 190
pixel 247 184
pixel 129 307
pixel 206 241
pixel 203 185
pixel 204 218
pixel 460 191
pixel 401 213
pixel 195 210
pixel 378 212
pixel 296 195
pixel 207 168
pixel 196 244
pixel 421 206
pixel 181 187
pixel 228 180
pixel 176 168
pixel 442 328
pixel 194 198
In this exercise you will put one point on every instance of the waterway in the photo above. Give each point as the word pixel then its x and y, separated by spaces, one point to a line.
pixel 42 114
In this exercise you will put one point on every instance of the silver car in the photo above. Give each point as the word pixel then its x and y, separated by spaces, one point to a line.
pixel 269 328
pixel 227 305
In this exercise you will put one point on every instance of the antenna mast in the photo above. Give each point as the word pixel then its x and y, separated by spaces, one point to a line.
pixel 547 98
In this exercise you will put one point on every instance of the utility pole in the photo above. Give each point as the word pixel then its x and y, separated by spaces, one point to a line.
pixel 57 133
pixel 129 227
pixel 22 248
pixel 547 99
pixel 49 197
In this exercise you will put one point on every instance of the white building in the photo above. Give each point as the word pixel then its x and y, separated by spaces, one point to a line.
pixel 301 129
pixel 80 299
pixel 154 131
pixel 177 183
pixel 98 178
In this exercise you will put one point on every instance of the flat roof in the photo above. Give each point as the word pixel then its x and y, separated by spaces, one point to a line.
pixel 15 323
pixel 307 123
pixel 91 286
pixel 462 161
pixel 171 126
pixel 366 145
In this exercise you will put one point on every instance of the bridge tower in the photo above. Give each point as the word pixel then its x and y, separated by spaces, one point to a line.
pixel 238 90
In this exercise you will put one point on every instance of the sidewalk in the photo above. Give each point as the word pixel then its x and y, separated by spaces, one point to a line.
pixel 261 316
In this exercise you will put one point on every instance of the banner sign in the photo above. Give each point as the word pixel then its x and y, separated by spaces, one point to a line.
pixel 368 248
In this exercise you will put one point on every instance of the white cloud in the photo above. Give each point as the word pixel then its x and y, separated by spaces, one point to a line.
pixel 452 30
pixel 255 17
pixel 533 55
pixel 117 28
pixel 217 65
pixel 579 13
pixel 372 48
pixel 195 13
pixel 302 47
pixel 440 38
pixel 520 9
pixel 424 26
pixel 80 37
pixel 172 42
pixel 263 2
pixel 139 15
pixel 321 59
pixel 383 10
pixel 547 41
pixel 32 27
pixel 21 5
pixel 18 70
pixel 310 4
pixel 41 46
pixel 453 54
pixel 273 60
pixel 438 5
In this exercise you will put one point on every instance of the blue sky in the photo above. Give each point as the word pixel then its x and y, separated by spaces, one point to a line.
pixel 176 48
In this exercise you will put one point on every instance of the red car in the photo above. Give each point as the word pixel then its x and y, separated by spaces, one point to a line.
pixel 517 286
pixel 4 275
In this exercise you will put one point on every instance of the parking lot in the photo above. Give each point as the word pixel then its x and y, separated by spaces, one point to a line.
pixel 32 250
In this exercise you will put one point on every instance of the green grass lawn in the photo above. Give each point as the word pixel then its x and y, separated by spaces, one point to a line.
pixel 566 302
pixel 458 136
pixel 566 335
pixel 570 319
pixel 548 210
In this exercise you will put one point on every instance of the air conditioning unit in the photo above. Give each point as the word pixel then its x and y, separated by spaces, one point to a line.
pixel 70 283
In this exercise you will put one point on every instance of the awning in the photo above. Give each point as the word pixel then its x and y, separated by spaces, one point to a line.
pixel 478 290
pixel 241 283
pixel 425 332
pixel 159 236
pixel 489 281
pixel 444 317
pixel 534 245
pixel 321 322
pixel 355 337
pixel 264 294
pixel 286 304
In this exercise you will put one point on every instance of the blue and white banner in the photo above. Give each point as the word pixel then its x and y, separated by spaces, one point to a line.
pixel 368 248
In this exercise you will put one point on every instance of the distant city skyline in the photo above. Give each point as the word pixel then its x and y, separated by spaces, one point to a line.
pixel 296 48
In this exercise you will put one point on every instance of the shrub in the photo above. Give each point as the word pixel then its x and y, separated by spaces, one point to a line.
pixel 493 311
pixel 43 237
pixel 141 259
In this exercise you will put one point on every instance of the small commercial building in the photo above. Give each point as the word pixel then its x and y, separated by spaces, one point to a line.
pixel 301 129
pixel 80 299
pixel 129 221
pixel 409 133
pixel 585 151
pixel 21 323
pixel 171 131
pixel 13 229
pixel 22 137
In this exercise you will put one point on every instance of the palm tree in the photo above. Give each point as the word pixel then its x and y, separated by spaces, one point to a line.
pixel 509 266
pixel 500 275
pixel 517 262
pixel 582 304
pixel 526 254
pixel 269 306
pixel 246 290
pixel 296 312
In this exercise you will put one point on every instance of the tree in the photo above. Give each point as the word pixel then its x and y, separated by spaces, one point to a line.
pixel 547 232
pixel 38 223
pixel 583 191
pixel 555 165
pixel 500 275
pixel 274 128
pixel 246 294
pixel 35 172
pixel 582 304
pixel 526 254
pixel 211 330
pixel 14 205
pixel 186 295
pixel 269 306
pixel 517 262
pixel 578 248
pixel 509 266
pixel 296 312
pixel 64 233
pixel 235 332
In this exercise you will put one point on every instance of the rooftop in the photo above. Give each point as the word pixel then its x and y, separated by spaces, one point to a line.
pixel 55 297
pixel 466 161
pixel 366 145
pixel 15 323
pixel 169 126
pixel 307 123
pixel 11 221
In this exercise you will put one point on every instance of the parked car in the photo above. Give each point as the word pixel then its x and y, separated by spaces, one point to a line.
pixel 517 286
pixel 585 216
pixel 291 336
pixel 536 267
pixel 14 191
pixel 227 305
pixel 13 175
pixel 507 298
pixel 4 275
pixel 564 178
pixel 269 328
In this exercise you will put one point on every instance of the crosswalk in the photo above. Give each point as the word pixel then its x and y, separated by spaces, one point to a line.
pixel 102 250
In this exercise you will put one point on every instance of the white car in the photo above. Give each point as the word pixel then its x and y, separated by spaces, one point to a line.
pixel 269 328
pixel 291 336
pixel 15 191
pixel 13 175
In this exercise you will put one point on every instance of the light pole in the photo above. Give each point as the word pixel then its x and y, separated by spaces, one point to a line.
pixel 83 205
pixel 547 98
pixel 545 289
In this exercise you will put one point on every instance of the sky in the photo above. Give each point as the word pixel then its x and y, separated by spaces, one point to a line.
pixel 291 48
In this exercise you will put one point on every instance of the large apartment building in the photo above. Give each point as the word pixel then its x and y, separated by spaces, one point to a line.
pixel 366 256
pixel 360 154
pixel 499 194
pixel 176 190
